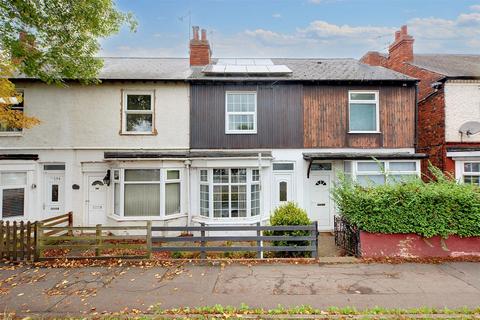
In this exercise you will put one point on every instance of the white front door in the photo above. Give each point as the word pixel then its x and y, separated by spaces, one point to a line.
pixel 283 188
pixel 96 200
pixel 320 203
pixel 54 195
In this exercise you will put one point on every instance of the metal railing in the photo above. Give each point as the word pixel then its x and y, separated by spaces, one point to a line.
pixel 347 236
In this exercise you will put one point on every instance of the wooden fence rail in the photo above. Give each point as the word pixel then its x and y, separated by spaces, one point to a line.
pixel 18 238
pixel 91 242
pixel 309 235
pixel 56 237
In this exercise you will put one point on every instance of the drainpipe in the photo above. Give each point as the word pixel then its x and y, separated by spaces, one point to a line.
pixel 415 143
pixel 188 164
pixel 261 202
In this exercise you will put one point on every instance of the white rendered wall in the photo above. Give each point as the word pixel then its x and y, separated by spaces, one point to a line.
pixel 82 117
pixel 462 104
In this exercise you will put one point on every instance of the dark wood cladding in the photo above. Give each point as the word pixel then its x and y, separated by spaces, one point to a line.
pixel 279 117
pixel 326 118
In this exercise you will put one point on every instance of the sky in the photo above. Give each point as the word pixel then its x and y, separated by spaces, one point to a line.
pixel 296 28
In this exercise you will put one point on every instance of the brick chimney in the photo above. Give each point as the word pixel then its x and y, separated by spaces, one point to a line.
pixel 199 48
pixel 401 50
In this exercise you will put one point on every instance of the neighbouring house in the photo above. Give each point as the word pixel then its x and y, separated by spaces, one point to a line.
pixel 203 140
pixel 448 104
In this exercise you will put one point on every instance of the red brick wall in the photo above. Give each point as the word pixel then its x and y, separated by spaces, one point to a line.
pixel 199 54
pixel 431 131
pixel 431 104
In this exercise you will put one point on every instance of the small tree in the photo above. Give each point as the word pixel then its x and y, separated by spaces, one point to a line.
pixel 290 214
pixel 52 40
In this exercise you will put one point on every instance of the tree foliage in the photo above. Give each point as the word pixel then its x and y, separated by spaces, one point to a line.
pixel 53 40
pixel 440 207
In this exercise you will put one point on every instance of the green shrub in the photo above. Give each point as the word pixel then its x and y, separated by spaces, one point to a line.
pixel 290 214
pixel 440 207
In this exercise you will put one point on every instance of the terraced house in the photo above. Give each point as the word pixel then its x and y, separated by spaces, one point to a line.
pixel 448 104
pixel 202 140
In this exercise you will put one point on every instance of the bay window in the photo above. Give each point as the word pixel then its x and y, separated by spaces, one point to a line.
pixel 149 193
pixel 229 192
pixel 12 192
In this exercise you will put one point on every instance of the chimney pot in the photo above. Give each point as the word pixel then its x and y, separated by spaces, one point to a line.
pixel 397 35
pixel 204 35
pixel 404 30
pixel 195 32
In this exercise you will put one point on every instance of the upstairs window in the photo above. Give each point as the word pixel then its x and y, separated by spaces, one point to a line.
pixel 138 115
pixel 4 128
pixel 363 112
pixel 241 113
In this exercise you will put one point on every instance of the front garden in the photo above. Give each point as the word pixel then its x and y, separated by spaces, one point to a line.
pixel 413 218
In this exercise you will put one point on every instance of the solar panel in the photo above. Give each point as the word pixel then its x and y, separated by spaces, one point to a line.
pixel 246 66
pixel 235 69
pixel 257 69
pixel 226 61
pixel 216 68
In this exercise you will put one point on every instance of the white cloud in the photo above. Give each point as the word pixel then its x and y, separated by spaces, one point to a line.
pixel 323 29
pixel 475 7
pixel 277 15
pixel 322 38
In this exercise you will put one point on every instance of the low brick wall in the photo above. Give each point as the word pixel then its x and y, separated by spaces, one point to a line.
pixel 375 245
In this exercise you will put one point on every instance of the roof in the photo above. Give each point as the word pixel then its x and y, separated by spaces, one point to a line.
pixel 316 70
pixel 449 65
pixel 126 68
pixel 361 156
pixel 113 155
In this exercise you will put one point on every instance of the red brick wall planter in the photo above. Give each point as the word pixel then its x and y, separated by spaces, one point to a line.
pixel 376 245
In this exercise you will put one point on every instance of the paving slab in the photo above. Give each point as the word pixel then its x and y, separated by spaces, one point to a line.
pixel 112 289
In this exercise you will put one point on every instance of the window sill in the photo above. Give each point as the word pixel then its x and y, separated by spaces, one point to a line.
pixel 11 134
pixel 138 133
pixel 151 218
pixel 364 132
pixel 240 132
pixel 227 221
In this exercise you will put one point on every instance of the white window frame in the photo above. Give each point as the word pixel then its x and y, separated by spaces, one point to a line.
pixel 377 109
pixel 125 111
pixel 163 181
pixel 249 183
pixel 387 172
pixel 227 113
pixel 465 173
pixel 21 131
pixel 17 186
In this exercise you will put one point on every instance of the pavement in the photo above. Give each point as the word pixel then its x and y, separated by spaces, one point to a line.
pixel 73 291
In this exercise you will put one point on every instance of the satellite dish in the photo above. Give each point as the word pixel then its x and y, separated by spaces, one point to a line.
pixel 470 128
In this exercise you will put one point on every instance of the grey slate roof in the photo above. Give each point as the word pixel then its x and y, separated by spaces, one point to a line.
pixel 318 69
pixel 450 65
pixel 146 68
pixel 120 68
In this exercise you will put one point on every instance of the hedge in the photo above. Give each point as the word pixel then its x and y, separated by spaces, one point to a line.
pixel 436 208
